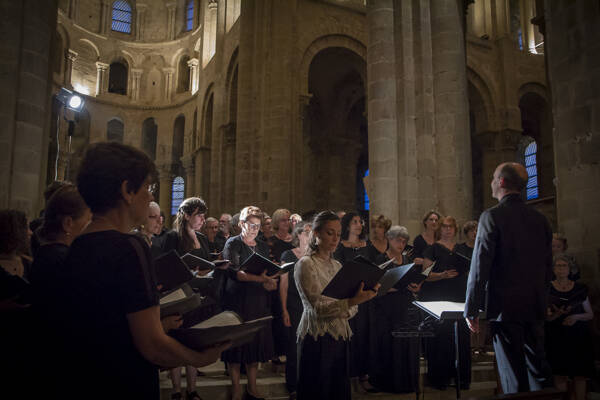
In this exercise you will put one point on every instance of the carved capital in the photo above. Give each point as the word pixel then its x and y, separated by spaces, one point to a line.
pixel 213 5
pixel 100 66
pixel 194 62
pixel 71 55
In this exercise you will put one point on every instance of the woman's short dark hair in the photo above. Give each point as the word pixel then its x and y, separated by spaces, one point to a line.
pixel 65 202
pixel 103 170
pixel 13 231
pixel 317 226
pixel 469 226
pixel 346 225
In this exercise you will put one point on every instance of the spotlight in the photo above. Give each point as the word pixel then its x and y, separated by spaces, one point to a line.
pixel 70 100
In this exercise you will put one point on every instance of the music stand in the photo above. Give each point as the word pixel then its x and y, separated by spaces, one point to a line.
pixel 444 311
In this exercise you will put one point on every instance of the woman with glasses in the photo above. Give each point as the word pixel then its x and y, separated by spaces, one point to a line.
pixel 248 295
pixel 447 282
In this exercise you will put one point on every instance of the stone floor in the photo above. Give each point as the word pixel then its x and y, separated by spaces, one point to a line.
pixel 215 385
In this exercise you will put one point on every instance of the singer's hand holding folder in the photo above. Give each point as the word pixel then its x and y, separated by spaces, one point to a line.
pixel 181 301
pixel 402 276
pixel 194 262
pixel 346 282
pixel 257 264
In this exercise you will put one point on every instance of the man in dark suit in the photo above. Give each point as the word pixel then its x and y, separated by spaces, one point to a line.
pixel 510 275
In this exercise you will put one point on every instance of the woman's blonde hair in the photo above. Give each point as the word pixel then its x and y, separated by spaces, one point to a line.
pixel 279 215
pixel 249 212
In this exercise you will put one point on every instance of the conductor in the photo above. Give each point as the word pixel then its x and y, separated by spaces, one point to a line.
pixel 511 269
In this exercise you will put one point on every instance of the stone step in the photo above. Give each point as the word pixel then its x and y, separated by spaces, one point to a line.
pixel 215 385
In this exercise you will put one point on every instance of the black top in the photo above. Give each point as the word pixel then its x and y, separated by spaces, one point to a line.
pixel 217 245
pixel 172 241
pixel 419 245
pixel 277 248
pixel 512 259
pixel 464 250
pixel 249 299
pixel 106 277
pixel 452 289
pixel 343 253
pixel 293 299
pixel 46 271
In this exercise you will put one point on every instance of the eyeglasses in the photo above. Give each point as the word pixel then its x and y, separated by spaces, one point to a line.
pixel 252 227
pixel 447 226
pixel 152 187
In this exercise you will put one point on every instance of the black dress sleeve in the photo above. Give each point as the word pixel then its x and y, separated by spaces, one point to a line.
pixel 136 283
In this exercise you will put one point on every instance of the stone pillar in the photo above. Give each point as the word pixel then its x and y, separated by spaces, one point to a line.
pixel 452 133
pixel 165 180
pixel 171 11
pixel 574 74
pixel 74 10
pixel 101 81
pixel 193 64
pixel 105 17
pixel 70 57
pixel 140 14
pixel 382 118
pixel 188 166
pixel 136 79
pixel 169 74
pixel 27 30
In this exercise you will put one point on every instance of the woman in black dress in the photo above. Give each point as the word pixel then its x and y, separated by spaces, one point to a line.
pixel 395 361
pixel 568 331
pixel 428 237
pixel 248 295
pixel 108 288
pixel 379 227
pixel 353 244
pixel 323 332
pixel 446 282
pixel 290 301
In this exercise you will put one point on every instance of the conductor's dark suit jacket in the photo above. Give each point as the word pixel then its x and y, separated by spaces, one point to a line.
pixel 511 267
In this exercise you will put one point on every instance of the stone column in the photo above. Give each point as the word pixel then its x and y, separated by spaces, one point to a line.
pixel 70 57
pixel 140 14
pixel 452 132
pixel 136 79
pixel 101 80
pixel 169 74
pixel 382 118
pixel 165 180
pixel 105 17
pixel 74 10
pixel 189 167
pixel 193 64
pixel 171 11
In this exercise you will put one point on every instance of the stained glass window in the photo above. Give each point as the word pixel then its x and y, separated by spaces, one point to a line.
pixel 531 165
pixel 121 16
pixel 177 193
pixel 189 15
pixel 366 197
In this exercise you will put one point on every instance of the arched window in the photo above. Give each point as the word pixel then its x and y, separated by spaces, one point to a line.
pixel 117 78
pixel 183 75
pixel 177 193
pixel 121 16
pixel 114 131
pixel 189 15
pixel 531 165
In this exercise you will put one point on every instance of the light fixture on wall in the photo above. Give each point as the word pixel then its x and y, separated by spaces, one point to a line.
pixel 74 102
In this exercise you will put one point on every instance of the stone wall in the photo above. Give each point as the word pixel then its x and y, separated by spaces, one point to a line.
pixel 27 29
pixel 573 53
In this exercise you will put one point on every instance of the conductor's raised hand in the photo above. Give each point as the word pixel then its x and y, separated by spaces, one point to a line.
pixel 363 295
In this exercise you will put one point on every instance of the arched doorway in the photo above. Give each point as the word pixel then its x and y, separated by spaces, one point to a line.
pixel 335 141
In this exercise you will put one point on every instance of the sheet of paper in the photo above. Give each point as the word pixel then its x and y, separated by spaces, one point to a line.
pixel 438 307
pixel 178 294
pixel 226 318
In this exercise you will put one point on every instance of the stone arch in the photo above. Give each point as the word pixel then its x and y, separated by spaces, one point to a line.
pixel 533 87
pixel 322 43
pixel 183 73
pixel 93 46
pixel 181 52
pixel 485 114
pixel 207 120
pixel 64 34
pixel 115 130
pixel 231 80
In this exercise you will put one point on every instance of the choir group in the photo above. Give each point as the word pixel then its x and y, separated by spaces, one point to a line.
pixel 86 305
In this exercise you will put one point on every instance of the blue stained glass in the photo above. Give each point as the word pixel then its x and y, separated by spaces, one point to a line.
pixel 532 182
pixel 177 194
pixel 531 149
pixel 366 198
pixel 190 15
pixel 531 164
pixel 121 16
pixel 520 34
pixel 532 193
